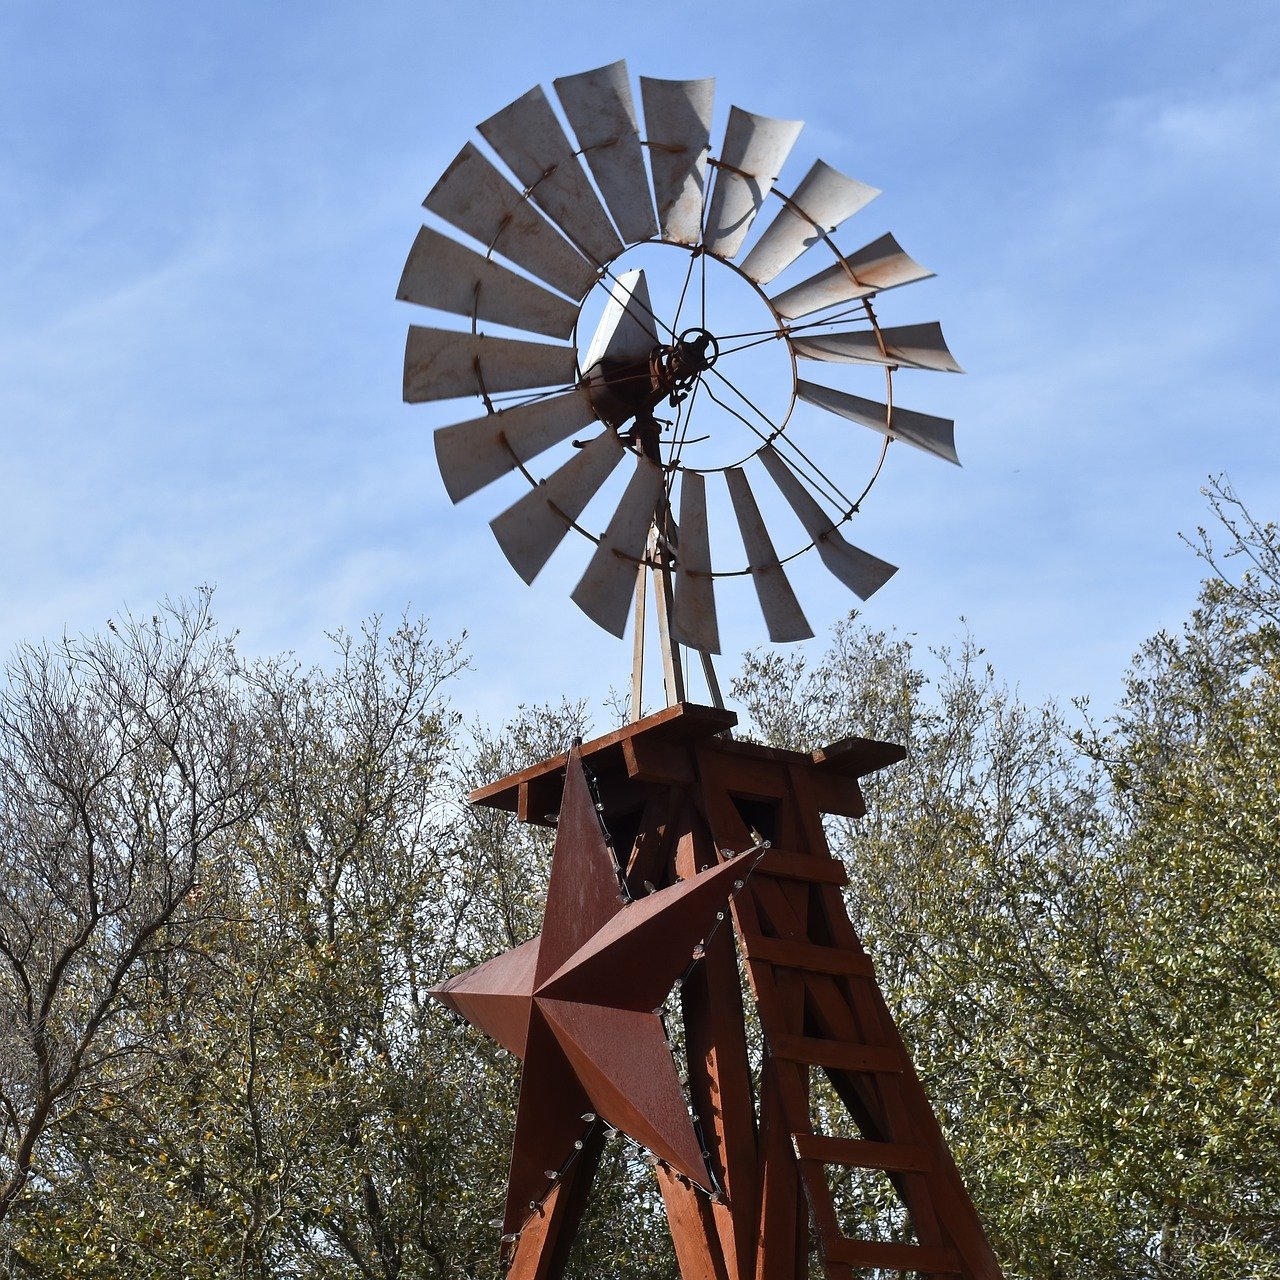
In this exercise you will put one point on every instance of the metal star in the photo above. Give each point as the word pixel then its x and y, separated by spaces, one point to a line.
pixel 578 1005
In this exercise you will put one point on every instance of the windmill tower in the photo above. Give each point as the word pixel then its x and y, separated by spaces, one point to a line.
pixel 680 851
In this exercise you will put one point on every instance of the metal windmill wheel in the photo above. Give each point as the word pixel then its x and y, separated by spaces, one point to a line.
pixel 550 235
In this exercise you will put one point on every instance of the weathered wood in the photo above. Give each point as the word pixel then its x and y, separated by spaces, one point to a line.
pixel 894 1257
pixel 674 792
pixel 685 722
pixel 831 1053
pixel 544 1244
pixel 787 953
pixel 857 1153
pixel 693 1231
pixel 801 866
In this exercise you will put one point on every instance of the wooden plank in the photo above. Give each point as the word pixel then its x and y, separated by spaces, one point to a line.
pixel 545 1242
pixel 684 722
pixel 782 1209
pixel 670 765
pixel 721 1091
pixel 834 1053
pixel 801 866
pixel 892 1257
pixel 857 757
pixel 857 1153
pixel 808 956
pixel 693 1232
pixel 837 794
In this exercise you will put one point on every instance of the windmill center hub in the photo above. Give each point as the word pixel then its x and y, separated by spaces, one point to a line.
pixel 625 389
pixel 682 351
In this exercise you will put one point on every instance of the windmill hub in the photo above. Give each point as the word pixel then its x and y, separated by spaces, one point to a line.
pixel 625 389
pixel 695 352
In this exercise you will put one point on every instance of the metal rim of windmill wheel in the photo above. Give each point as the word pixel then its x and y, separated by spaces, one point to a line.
pixel 649 370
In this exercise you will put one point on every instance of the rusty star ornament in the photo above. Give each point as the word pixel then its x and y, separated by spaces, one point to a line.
pixel 578 1004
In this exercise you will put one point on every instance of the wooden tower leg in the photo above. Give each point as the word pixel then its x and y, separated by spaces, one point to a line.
pixel 543 1249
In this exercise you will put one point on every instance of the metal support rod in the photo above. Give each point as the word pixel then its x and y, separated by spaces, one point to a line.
pixel 672 674
pixel 713 685
pixel 637 651
pixel 672 669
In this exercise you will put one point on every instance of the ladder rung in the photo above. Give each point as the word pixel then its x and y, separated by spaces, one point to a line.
pixel 836 1053
pixel 792 954
pixel 895 1257
pixel 857 1153
pixel 801 866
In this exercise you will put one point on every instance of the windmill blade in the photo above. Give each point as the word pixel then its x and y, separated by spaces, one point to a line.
pixel 529 139
pixel 861 572
pixel 605 590
pixel 933 435
pixel 677 124
pixel 693 615
pixel 914 346
pixel 782 613
pixel 530 530
pixel 474 197
pixel 444 274
pixel 821 203
pixel 440 364
pixel 476 453
pixel 874 268
pixel 755 149
pixel 626 331
pixel 603 115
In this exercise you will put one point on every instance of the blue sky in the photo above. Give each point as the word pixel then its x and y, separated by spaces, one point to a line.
pixel 204 211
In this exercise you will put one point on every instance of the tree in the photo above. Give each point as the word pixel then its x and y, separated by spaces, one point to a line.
pixel 1076 928
pixel 230 885
pixel 125 770
pixel 305 1109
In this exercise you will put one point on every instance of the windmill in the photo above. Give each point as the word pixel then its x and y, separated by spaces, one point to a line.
pixel 668 831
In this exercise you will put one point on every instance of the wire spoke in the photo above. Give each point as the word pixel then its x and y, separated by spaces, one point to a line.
pixel 684 288
pixel 522 397
pixel 817 476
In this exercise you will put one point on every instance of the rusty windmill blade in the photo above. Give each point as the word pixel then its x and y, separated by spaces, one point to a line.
pixel 872 269
pixel 755 149
pixel 444 274
pixel 473 196
pixel 923 430
pixel 531 529
pixel 528 137
pixel 603 115
pixel 863 573
pixel 911 346
pixel 782 613
pixel 442 364
pixel 473 454
pixel 693 620
pixel 677 121
pixel 821 203
pixel 605 589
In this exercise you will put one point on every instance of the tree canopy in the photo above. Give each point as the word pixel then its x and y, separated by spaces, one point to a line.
pixel 225 885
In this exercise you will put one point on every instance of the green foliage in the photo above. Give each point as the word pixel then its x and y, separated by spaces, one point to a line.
pixel 1078 929
pixel 1074 925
